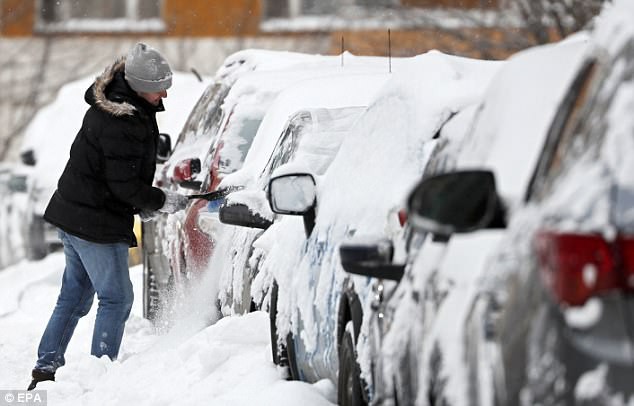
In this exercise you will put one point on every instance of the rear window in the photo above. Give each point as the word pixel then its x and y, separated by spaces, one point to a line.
pixel 589 181
pixel 562 133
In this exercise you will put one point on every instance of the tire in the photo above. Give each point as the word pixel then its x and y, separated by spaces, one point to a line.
pixel 292 358
pixel 349 388
pixel 150 286
pixel 283 354
pixel 154 295
pixel 279 353
pixel 157 296
pixel 150 291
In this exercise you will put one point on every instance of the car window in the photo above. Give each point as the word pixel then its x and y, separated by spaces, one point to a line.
pixel 237 138
pixel 287 144
pixel 588 175
pixel 204 119
pixel 561 135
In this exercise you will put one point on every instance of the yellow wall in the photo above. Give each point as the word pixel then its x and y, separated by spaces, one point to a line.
pixel 182 18
pixel 17 17
pixel 451 3
pixel 212 17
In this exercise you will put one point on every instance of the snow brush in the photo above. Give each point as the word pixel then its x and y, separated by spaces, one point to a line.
pixel 216 194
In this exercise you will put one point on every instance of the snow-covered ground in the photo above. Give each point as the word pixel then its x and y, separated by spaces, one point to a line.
pixel 227 363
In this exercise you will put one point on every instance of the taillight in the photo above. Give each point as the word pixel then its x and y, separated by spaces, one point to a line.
pixel 578 266
pixel 402 217
pixel 626 248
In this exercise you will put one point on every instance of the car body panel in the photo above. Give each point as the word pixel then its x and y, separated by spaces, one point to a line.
pixel 510 143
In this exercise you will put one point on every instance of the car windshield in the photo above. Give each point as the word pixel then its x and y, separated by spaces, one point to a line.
pixel 325 129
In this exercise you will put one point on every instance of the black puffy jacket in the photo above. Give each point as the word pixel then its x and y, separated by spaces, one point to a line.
pixel 108 177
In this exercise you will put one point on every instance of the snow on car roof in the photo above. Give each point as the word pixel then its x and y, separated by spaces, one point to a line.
pixel 511 127
pixel 332 89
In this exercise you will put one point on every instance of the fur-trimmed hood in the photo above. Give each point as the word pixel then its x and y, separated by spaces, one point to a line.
pixel 110 93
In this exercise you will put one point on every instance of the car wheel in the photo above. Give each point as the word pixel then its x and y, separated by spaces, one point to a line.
pixel 279 353
pixel 253 307
pixel 283 353
pixel 292 358
pixel 275 348
pixel 151 294
pixel 157 295
pixel 349 392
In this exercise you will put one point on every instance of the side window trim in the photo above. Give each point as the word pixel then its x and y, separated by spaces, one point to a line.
pixel 562 126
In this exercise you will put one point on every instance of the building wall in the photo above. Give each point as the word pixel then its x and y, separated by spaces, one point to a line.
pixel 220 18
pixel 198 34
pixel 17 17
pixel 212 17
pixel 197 18
pixel 451 3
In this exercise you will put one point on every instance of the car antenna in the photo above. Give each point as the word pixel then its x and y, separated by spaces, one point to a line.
pixel 195 72
pixel 342 48
pixel 389 51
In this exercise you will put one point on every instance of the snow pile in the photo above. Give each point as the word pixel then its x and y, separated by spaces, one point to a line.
pixel 228 363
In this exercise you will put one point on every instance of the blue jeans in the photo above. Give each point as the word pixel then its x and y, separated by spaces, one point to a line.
pixel 90 268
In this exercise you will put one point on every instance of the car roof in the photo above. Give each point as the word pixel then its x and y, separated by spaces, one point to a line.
pixel 332 89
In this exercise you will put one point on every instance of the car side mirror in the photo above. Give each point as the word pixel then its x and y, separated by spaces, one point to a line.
pixel 163 148
pixel 457 202
pixel 373 259
pixel 28 157
pixel 18 184
pixel 240 215
pixel 294 194
pixel 184 173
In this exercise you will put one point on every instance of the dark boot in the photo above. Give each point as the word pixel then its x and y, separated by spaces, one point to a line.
pixel 40 376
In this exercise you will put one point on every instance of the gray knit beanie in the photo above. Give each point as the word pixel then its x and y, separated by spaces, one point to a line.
pixel 146 70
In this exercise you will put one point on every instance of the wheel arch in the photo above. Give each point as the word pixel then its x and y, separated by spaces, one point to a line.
pixel 349 309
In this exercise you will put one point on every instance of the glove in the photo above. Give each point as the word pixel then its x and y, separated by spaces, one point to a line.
pixel 173 202
pixel 148 215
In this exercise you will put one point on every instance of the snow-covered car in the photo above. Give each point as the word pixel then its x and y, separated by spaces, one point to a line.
pixel 174 243
pixel 47 141
pixel 560 314
pixel 410 352
pixel 186 242
pixel 196 137
pixel 213 144
pixel 317 318
pixel 330 106
pixel 311 135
